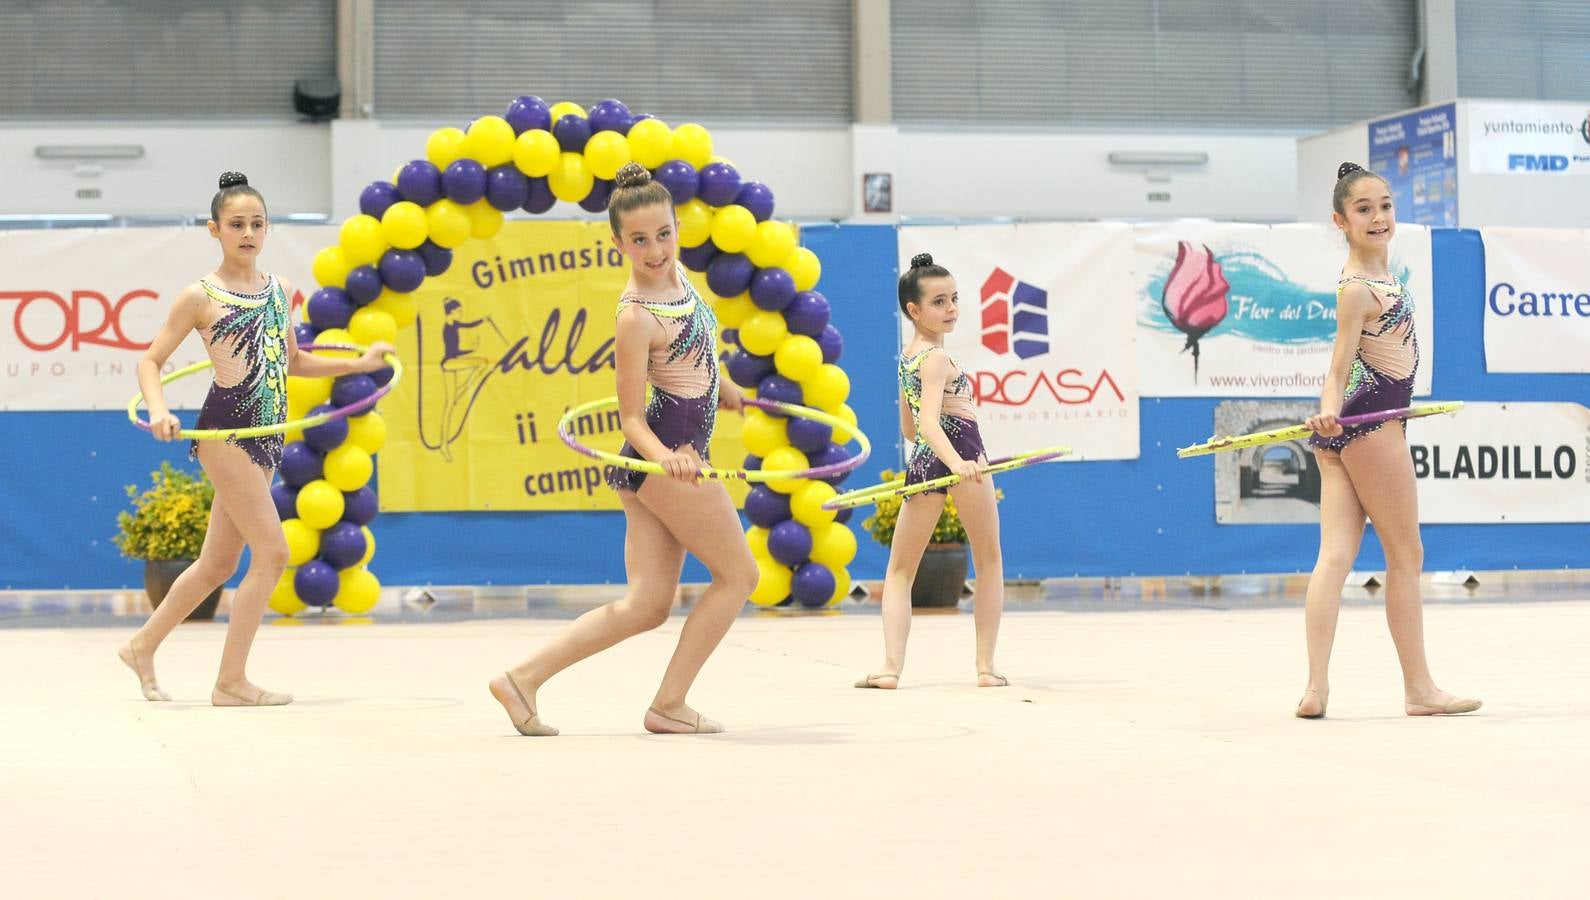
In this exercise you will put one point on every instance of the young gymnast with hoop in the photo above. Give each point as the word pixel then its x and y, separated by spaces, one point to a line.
pixel 242 315
pixel 1366 469
pixel 938 416
pixel 667 338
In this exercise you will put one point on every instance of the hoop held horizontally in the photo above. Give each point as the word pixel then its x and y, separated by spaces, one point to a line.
pixel 898 487
pixel 1296 432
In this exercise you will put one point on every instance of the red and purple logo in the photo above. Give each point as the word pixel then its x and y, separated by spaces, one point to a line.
pixel 1015 316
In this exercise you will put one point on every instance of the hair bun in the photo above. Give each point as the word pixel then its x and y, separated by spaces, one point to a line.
pixel 633 174
pixel 1346 168
pixel 921 259
pixel 232 179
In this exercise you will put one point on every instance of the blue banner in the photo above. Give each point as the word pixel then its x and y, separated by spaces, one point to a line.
pixel 1417 154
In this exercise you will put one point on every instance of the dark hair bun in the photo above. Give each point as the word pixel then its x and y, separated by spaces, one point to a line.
pixel 632 175
pixel 232 179
pixel 1347 168
pixel 921 259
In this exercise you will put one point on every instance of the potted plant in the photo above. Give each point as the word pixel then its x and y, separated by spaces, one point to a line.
pixel 942 574
pixel 166 530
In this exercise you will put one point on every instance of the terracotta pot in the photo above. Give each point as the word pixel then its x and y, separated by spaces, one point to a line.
pixel 158 577
pixel 940 577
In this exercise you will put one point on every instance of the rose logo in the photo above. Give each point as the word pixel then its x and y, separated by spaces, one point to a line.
pixel 1194 298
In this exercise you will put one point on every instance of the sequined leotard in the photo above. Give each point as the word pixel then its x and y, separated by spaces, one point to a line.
pixel 1382 372
pixel 247 343
pixel 683 374
pixel 957 416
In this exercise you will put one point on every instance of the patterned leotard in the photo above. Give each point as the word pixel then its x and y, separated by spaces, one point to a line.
pixel 1382 372
pixel 957 416
pixel 247 344
pixel 683 375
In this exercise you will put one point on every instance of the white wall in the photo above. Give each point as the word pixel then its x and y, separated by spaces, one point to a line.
pixel 1317 160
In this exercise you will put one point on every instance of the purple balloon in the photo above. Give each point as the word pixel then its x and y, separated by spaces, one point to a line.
pixel 813 585
pixel 758 198
pixel 772 288
pixel 507 188
pixel 285 496
pixel 748 369
pixel 807 314
pixel 343 545
pixel 464 181
pixel 437 259
pixel 611 115
pixel 374 200
pixel 359 507
pixel 364 284
pixel 730 336
pixel 808 435
pixel 831 455
pixel 540 199
pixel 350 389
pixel 766 507
pixel 420 182
pixel 832 343
pixel 844 515
pixel 697 259
pixel 402 270
pixel 729 275
pixel 330 307
pixel 301 464
pixel 328 436
pixel 305 332
pixel 381 376
pixel 779 389
pixel 596 200
pixel 720 184
pixel 572 131
pixel 752 463
pixel 790 543
pixel 528 113
pixel 680 178
pixel 316 583
pixel 640 116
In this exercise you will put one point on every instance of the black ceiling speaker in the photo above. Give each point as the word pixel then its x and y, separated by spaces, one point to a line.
pixel 317 98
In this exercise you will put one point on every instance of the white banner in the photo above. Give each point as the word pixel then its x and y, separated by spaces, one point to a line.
pixel 1504 462
pixel 1539 139
pixel 1045 332
pixel 79 306
pixel 1537 299
pixel 1250 310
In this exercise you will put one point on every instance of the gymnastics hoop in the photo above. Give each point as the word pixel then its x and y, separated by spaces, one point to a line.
pixel 226 434
pixel 756 476
pixel 1294 432
pixel 898 487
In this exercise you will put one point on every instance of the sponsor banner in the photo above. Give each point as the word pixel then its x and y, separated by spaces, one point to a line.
pixel 517 331
pixel 1250 310
pixel 1537 300
pixel 78 307
pixel 1489 463
pixel 1531 139
pixel 1045 332
pixel 1417 155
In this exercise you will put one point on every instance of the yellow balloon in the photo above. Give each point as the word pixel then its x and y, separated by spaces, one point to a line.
pixel 785 459
pixel 490 140
pixel 731 311
pixel 756 536
pixel 606 153
pixel 361 240
pixel 570 180
pixel 447 223
pixel 485 220
pixel 303 541
pixel 369 546
pixel 358 591
pixel 650 143
pixel 763 331
pixel 367 432
pixel 827 389
pixel 841 586
pixel 536 152
pixel 444 147
pixel 293 435
pixel 404 225
pixel 806 503
pixel 797 358
pixel 319 504
pixel 305 393
pixel 348 467
pixel 370 324
pixel 335 336
pixel 762 433
pixel 845 435
pixel 833 545
pixel 693 144
pixel 733 228
pixel 805 268
pixel 566 107
pixel 403 308
pixel 695 221
pixel 773 244
pixel 284 597
pixel 772 583
pixel 330 267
